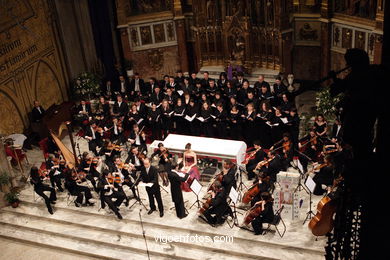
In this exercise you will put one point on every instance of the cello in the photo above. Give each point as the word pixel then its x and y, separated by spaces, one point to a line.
pixel 322 222
pixel 255 211
pixel 253 191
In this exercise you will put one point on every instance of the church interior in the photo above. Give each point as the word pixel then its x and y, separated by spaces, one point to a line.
pixel 193 129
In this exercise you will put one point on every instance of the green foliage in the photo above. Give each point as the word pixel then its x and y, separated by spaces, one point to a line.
pixel 326 104
pixel 12 197
pixel 4 178
pixel 86 85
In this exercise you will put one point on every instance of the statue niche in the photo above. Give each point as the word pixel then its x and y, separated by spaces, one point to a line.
pixel 236 47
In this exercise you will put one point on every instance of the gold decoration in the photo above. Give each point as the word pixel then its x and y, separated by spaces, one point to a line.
pixel 156 59
pixel 12 122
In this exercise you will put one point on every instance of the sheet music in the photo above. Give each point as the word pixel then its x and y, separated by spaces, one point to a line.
pixel 272 125
pixel 213 105
pixel 170 113
pixel 310 184
pixel 180 92
pixel 213 116
pixel 284 120
pixel 196 187
pixel 201 119
pixel 233 195
pixel 190 118
pixel 139 121
pixel 143 184
pixel 182 175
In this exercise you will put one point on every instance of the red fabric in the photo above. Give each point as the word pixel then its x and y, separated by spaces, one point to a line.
pixel 44 147
pixel 14 153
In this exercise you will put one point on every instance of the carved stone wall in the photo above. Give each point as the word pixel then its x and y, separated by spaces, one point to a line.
pixel 31 62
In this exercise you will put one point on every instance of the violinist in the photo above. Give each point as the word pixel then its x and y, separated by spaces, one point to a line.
pixel 138 138
pixel 218 206
pixel 94 135
pixel 108 193
pixel 116 131
pixel 256 155
pixel 310 147
pixel 323 175
pixel 287 149
pixel 55 174
pixel 164 157
pixel 120 171
pixel 110 151
pixel 273 165
pixel 266 215
pixel 39 188
pixel 71 184
pixel 88 165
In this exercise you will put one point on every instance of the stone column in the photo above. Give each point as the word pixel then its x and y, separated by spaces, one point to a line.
pixel 181 35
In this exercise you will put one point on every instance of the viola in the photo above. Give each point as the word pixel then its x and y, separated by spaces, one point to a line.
pixel 286 147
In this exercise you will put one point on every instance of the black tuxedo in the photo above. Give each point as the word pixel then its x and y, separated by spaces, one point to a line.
pixel 176 192
pixel 140 83
pixel 107 195
pixel 121 109
pixel 37 115
pixel 157 98
pixel 336 134
pixel 125 85
pixel 154 191
pixel 97 141
pixel 87 108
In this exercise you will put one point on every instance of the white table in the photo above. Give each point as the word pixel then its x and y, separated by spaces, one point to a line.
pixel 204 146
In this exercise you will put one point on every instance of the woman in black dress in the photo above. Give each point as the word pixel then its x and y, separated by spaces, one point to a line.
pixel 235 123
pixel 249 117
pixel 320 126
pixel 178 116
pixel 154 120
pixel 207 122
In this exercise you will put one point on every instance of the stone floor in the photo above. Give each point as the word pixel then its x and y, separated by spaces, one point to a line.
pixel 82 233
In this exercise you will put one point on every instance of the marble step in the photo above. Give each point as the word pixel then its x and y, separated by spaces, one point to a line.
pixel 131 240
pixel 131 227
pixel 41 238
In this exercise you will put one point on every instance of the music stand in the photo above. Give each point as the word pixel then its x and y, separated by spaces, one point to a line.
pixel 310 184
pixel 196 187
pixel 241 185
pixel 139 201
pixel 301 175
pixel 233 195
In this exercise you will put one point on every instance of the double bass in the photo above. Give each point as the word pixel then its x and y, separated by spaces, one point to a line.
pixel 322 223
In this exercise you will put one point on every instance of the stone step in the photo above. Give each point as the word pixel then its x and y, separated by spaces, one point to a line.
pixel 263 248
pixel 123 236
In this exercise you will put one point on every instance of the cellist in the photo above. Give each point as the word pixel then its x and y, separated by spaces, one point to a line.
pixel 266 215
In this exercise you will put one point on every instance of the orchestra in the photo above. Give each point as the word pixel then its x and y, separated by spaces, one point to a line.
pixel 118 133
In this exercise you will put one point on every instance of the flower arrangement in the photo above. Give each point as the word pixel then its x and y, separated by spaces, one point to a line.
pixel 86 85
pixel 326 104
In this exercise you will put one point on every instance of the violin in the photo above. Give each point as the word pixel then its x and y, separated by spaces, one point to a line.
pixel 286 147
pixel 250 156
pixel 263 163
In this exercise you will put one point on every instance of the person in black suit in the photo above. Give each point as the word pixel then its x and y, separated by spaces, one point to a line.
pixel 278 91
pixel 37 112
pixel 39 188
pixel 120 107
pixel 176 191
pixel 258 156
pixel 266 215
pixel 123 86
pixel 219 207
pixel 149 174
pixel 71 184
pixel 229 176
pixel 108 193
pixel 107 89
pixel 148 88
pixel 94 137
pixel 84 108
pixel 337 130
pixel 136 85
pixel 157 96
pixel 274 166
